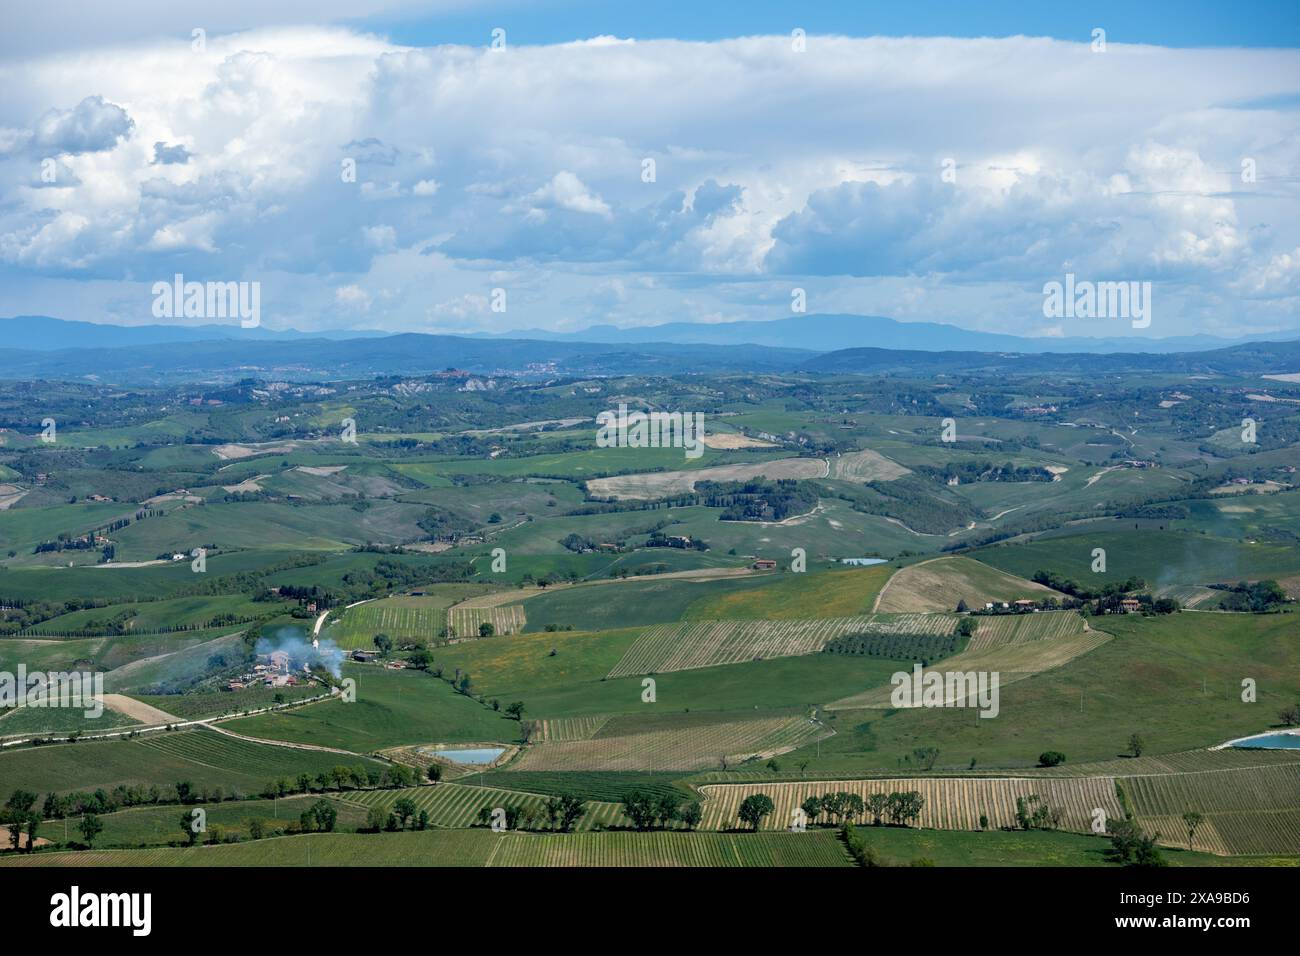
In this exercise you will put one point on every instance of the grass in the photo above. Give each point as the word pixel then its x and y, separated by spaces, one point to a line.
pixel 950 803
pixel 481 847
pixel 391 708
pixel 152 616
pixel 1174 680
pixel 455 805
pixel 217 703
pixel 675 647
pixel 824 594
pixel 1159 558
pixel 572 682
pixel 403 618
pixel 608 787
pixel 633 603
pixel 58 720
pixel 940 584
pixel 160 826
pixel 684 742
pixel 204 758
pixel 898 845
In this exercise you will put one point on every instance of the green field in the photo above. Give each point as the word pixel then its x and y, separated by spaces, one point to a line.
pixel 403 618
pixel 160 826
pixel 572 682
pixel 1175 680
pixel 1159 559
pixel 391 708
pixel 482 848
pixel 204 758
pixel 22 721
pixel 456 806
pixel 901 845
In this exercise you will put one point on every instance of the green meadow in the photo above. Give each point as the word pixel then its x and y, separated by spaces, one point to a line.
pixel 391 708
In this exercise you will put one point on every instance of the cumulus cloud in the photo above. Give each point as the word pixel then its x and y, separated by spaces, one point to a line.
pixel 164 155
pixel 341 165
pixel 90 126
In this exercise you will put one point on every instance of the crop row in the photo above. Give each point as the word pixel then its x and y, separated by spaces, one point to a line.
pixel 483 848
pixel 692 644
pixel 455 805
pixel 568 728
pixel 999 630
pixel 465 621
pixel 951 803
pixel 693 747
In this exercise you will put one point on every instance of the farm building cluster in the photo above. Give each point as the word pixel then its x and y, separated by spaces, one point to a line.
pixel 272 670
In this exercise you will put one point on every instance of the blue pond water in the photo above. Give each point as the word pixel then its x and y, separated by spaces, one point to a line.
pixel 1271 742
pixel 476 755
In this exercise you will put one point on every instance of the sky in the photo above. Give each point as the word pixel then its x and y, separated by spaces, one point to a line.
pixel 460 166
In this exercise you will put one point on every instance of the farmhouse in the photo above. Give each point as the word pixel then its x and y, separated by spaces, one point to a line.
pixel 764 564
pixel 1130 605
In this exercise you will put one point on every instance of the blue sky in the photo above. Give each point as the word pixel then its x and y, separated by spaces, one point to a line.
pixel 1256 23
pixel 638 164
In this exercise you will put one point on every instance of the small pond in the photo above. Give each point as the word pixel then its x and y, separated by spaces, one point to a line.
pixel 863 562
pixel 472 755
pixel 1270 742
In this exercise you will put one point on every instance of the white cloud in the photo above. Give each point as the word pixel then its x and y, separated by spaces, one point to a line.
pixel 567 191
pixel 771 167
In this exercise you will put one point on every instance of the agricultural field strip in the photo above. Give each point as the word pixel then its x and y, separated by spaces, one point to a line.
pixel 951 803
pixel 465 621
pixel 693 644
pixel 1249 810
pixel 1002 630
pixel 358 626
pixel 568 728
pixel 455 805
pixel 480 848
pixel 1013 661
pixel 695 747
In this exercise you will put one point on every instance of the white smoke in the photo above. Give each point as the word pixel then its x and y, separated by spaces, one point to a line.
pixel 301 651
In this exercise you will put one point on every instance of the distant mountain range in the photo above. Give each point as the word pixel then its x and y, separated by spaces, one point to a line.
pixel 41 333
pixel 817 333
pixel 126 356
pixel 825 333
pixel 1252 358
pixel 308 359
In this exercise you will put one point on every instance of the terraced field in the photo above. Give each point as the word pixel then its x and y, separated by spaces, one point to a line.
pixel 455 805
pixel 482 848
pixel 1011 629
pixel 1249 810
pixel 677 745
pixel 951 803
pixel 1015 647
pixel 692 644
pixel 1189 761
pixel 401 618
pixel 465 621
pixel 568 728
